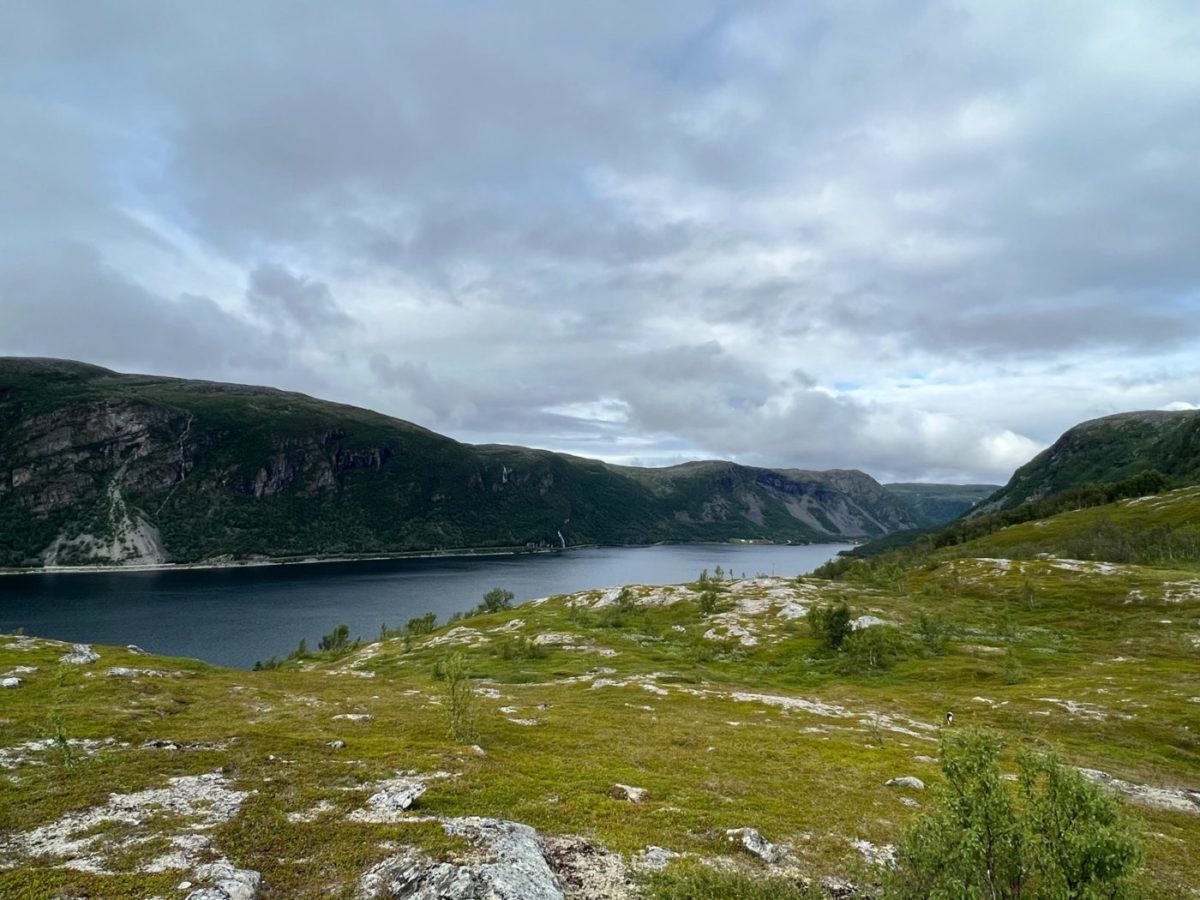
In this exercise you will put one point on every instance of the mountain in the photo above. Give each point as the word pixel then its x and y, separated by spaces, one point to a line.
pixel 1108 450
pixel 102 467
pixel 938 504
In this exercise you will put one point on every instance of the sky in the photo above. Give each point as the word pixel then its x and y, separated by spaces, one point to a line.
pixel 920 239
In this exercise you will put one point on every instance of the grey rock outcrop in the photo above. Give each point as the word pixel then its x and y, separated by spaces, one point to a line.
pixel 906 781
pixel 510 866
pixel 756 844
pixel 79 655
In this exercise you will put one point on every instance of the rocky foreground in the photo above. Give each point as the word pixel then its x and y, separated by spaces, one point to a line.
pixel 619 740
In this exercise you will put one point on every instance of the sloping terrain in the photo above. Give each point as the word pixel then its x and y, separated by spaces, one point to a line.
pixel 1107 450
pixel 938 504
pixel 98 467
pixel 334 775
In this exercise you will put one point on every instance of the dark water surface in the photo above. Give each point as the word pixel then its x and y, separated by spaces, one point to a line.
pixel 236 616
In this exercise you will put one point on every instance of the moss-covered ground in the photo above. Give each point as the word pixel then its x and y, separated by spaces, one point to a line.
pixel 755 724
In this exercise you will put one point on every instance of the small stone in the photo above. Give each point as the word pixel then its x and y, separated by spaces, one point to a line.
pixel 79 655
pixel 906 781
pixel 909 801
pixel 756 844
pixel 11 682
pixel 477 750
pixel 184 886
pixel 627 792
pixel 122 672
pixel 336 745
pixel 134 648
pixel 654 859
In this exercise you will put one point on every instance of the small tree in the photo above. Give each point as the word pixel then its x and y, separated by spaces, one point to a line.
pixel 1066 839
pixel 338 639
pixel 830 624
pixel 495 600
pixel 460 697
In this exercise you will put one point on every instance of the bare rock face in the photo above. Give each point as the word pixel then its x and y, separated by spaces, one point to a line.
pixel 510 865
pixel 392 798
pixel 79 655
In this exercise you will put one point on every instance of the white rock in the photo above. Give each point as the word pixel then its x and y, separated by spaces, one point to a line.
pixel 627 792
pixel 391 799
pixel 906 781
pixel 654 859
pixel 11 682
pixel 79 655
pixel 756 844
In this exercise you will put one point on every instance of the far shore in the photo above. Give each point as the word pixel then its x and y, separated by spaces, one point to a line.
pixel 461 553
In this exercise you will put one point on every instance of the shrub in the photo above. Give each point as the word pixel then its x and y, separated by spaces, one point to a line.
pixel 460 697
pixel 933 632
pixel 1065 839
pixel 518 648
pixel 338 639
pixel 877 647
pixel 830 624
pixel 495 600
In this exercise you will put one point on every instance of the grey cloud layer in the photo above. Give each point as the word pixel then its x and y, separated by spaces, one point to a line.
pixel 916 237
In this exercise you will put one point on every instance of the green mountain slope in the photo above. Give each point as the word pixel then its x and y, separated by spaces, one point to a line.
pixel 937 504
pixel 100 467
pixel 1106 450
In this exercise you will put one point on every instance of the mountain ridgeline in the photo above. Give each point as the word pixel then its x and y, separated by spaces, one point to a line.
pixel 98 467
pixel 1106 451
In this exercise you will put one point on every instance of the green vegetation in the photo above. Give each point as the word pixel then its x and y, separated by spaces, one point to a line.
pixel 1057 836
pixel 831 623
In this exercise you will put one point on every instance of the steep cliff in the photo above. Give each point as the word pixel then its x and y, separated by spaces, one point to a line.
pixel 100 467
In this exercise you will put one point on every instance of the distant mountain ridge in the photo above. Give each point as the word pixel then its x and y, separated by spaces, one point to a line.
pixel 98 467
pixel 1107 450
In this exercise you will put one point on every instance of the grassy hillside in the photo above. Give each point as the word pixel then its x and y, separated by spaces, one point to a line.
pixel 716 699
pixel 1106 450
pixel 100 467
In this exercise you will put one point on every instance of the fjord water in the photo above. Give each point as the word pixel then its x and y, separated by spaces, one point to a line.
pixel 234 616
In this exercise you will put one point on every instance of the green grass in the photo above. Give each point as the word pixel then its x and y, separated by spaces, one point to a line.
pixel 711 762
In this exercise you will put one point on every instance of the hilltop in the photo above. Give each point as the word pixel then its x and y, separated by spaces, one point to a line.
pixel 1106 450
pixel 622 737
pixel 97 467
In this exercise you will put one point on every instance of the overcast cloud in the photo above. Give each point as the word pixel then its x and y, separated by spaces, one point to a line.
pixel 917 238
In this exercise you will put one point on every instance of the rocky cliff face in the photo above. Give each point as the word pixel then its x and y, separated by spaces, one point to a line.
pixel 98 467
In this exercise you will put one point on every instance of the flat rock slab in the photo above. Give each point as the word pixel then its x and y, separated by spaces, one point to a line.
pixel 755 844
pixel 511 866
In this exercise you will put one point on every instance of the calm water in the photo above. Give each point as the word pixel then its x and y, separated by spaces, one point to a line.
pixel 236 616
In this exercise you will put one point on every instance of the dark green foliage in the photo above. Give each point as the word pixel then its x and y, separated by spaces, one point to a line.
pixel 421 624
pixel 933 632
pixel 495 600
pixel 708 602
pixel 519 648
pixel 872 649
pixel 1056 835
pixel 830 624
pixel 336 640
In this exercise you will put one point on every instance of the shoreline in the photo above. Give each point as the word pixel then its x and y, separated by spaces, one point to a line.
pixel 465 553
pixel 461 553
